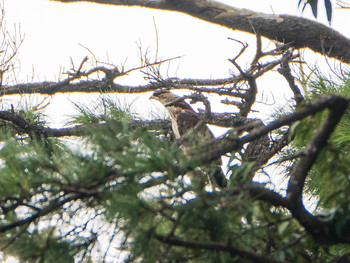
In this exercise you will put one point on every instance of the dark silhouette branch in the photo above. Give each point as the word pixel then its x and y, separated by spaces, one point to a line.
pixel 24 126
pixel 222 87
pixel 215 246
pixel 298 32
pixel 322 231
pixel 258 191
pixel 319 140
pixel 211 150
pixel 52 206
pixel 285 71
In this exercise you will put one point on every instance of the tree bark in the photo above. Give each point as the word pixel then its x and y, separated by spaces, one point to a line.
pixel 299 32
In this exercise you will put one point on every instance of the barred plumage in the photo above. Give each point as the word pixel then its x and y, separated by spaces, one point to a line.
pixel 184 118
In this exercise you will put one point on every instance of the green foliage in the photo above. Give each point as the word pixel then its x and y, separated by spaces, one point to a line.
pixel 137 183
pixel 329 178
pixel 331 168
pixel 240 174
pixel 104 110
pixel 41 246
pixel 117 162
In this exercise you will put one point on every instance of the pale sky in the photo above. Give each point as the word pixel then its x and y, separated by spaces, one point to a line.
pixel 54 33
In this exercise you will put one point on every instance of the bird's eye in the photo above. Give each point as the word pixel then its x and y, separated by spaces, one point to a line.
pixel 158 93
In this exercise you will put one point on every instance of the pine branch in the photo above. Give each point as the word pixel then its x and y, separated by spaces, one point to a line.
pixel 216 246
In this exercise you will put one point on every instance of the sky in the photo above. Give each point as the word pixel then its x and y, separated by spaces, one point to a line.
pixel 56 34
pixel 53 32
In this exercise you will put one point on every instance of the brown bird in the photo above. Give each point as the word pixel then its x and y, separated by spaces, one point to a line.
pixel 184 119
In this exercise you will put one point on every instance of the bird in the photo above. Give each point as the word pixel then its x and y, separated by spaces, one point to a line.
pixel 183 120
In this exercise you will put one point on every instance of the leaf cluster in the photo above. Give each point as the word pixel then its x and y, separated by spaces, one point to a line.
pixel 329 177
pixel 141 184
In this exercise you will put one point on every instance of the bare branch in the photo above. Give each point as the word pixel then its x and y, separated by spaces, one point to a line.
pixel 216 148
pixel 286 72
pixel 343 4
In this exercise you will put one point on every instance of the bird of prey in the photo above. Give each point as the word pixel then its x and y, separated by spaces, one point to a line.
pixel 184 119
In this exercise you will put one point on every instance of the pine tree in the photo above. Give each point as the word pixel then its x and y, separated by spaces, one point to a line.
pixel 115 187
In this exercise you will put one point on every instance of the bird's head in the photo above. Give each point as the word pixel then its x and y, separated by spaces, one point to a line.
pixel 164 96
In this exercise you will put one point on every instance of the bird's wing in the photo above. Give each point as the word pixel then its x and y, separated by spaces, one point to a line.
pixel 184 119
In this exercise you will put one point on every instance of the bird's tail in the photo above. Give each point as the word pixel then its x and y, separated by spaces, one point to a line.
pixel 219 177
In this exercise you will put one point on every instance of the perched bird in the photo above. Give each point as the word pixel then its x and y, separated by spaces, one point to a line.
pixel 184 119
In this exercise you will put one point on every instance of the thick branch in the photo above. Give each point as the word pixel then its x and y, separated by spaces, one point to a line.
pixel 222 87
pixel 258 191
pixel 320 138
pixel 90 86
pixel 323 231
pixel 215 246
pixel 212 150
pixel 23 125
pixel 300 32
pixel 276 147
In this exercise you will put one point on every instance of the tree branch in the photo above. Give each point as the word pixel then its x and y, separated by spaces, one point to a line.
pixel 53 205
pixel 23 125
pixel 320 138
pixel 299 32
pixel 212 150
pixel 322 231
pixel 215 246
pixel 285 71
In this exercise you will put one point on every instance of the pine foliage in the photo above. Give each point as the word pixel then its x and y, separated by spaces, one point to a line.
pixel 137 189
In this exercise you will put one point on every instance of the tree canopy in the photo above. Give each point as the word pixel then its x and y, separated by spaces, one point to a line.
pixel 127 190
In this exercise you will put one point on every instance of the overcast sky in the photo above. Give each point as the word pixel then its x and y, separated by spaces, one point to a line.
pixel 55 32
